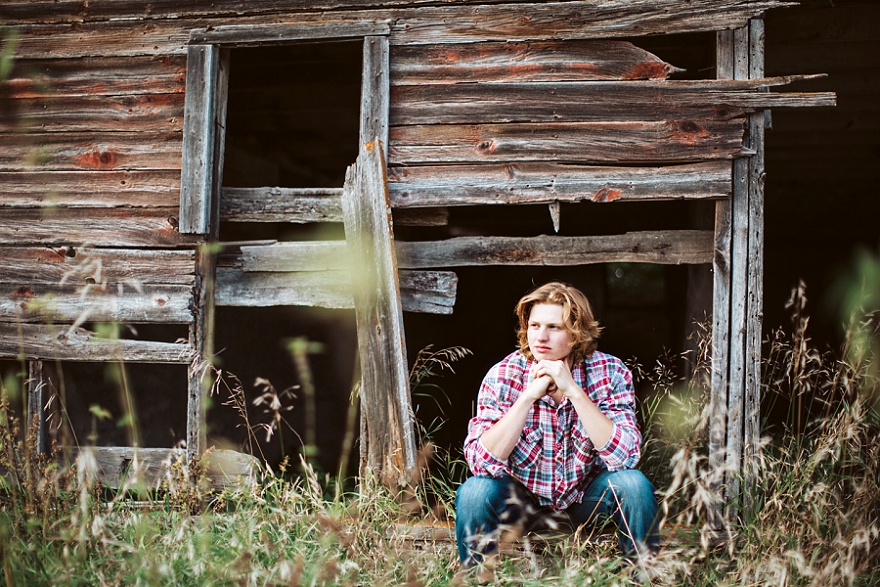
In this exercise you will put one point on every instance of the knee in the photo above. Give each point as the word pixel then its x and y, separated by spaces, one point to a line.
pixel 478 494
pixel 631 487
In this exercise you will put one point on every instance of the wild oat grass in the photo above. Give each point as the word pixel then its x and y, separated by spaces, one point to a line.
pixel 810 517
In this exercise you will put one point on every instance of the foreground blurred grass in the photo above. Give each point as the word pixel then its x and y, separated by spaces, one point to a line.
pixel 813 493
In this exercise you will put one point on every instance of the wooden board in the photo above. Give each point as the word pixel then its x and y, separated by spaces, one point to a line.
pixel 563 60
pixel 110 270
pixel 534 183
pixel 141 112
pixel 387 437
pixel 107 227
pixel 89 189
pixel 63 343
pixel 67 304
pixel 273 204
pixel 166 31
pixel 583 142
pixel 92 76
pixel 591 101
pixel 427 292
pixel 90 151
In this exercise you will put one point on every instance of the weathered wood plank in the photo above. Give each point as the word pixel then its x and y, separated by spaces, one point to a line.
pixel 40 341
pixel 421 216
pixel 68 304
pixel 118 465
pixel 388 446
pixel 729 13
pixel 136 113
pixel 50 151
pixel 666 247
pixel 199 135
pixel 87 189
pixel 591 101
pixel 594 142
pixel 273 204
pixel 91 76
pixel 428 292
pixel 37 387
pixel 144 34
pixel 235 35
pixel 568 60
pixel 542 183
pixel 375 91
pixel 106 269
pixel 102 227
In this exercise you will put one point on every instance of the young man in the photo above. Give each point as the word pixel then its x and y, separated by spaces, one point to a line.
pixel 555 434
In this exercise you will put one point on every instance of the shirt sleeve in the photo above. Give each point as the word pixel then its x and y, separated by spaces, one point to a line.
pixel 490 409
pixel 618 403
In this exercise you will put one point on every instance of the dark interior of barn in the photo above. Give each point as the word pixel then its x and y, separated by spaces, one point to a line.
pixel 820 211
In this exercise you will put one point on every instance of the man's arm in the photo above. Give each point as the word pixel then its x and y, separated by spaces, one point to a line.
pixel 502 437
pixel 597 425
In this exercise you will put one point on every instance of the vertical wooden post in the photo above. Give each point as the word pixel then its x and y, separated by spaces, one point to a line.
pixel 740 56
pixel 375 90
pixel 387 435
pixel 36 401
pixel 201 212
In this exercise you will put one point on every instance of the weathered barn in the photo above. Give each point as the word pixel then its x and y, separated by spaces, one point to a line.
pixel 181 167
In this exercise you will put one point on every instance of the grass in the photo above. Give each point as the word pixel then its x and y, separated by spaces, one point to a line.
pixel 812 502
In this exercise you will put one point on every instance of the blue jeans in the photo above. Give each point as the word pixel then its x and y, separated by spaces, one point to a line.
pixel 483 505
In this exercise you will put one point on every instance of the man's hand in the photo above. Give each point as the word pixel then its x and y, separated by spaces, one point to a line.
pixel 562 381
pixel 539 387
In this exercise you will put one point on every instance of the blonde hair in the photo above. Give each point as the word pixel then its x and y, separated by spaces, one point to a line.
pixel 577 318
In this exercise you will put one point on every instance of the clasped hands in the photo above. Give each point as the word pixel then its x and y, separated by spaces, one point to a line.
pixel 552 378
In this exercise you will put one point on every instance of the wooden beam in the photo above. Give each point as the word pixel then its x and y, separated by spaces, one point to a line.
pixel 81 151
pixel 389 444
pixel 106 189
pixel 37 394
pixel 46 270
pixel 563 60
pixel 100 227
pixel 165 28
pixel 427 292
pixel 375 93
pixel 120 465
pixel 543 183
pixel 199 136
pixel 591 101
pixel 248 36
pixel 273 204
pixel 63 343
pixel 578 142
pixel 67 304
pixel 665 247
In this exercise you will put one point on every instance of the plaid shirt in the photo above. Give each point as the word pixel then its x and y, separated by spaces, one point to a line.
pixel 554 458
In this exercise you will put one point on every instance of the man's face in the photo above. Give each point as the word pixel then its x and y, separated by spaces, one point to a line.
pixel 548 338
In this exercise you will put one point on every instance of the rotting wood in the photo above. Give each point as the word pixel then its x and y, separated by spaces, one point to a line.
pixel 591 101
pixel 106 189
pixel 426 292
pixel 236 35
pixel 107 227
pixel 411 25
pixel 568 60
pixel 421 216
pixel 121 465
pixel 65 343
pixel 50 151
pixel 67 304
pixel 142 112
pixel 118 270
pixel 388 448
pixel 274 204
pixel 92 76
pixel 542 183
pixel 583 142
